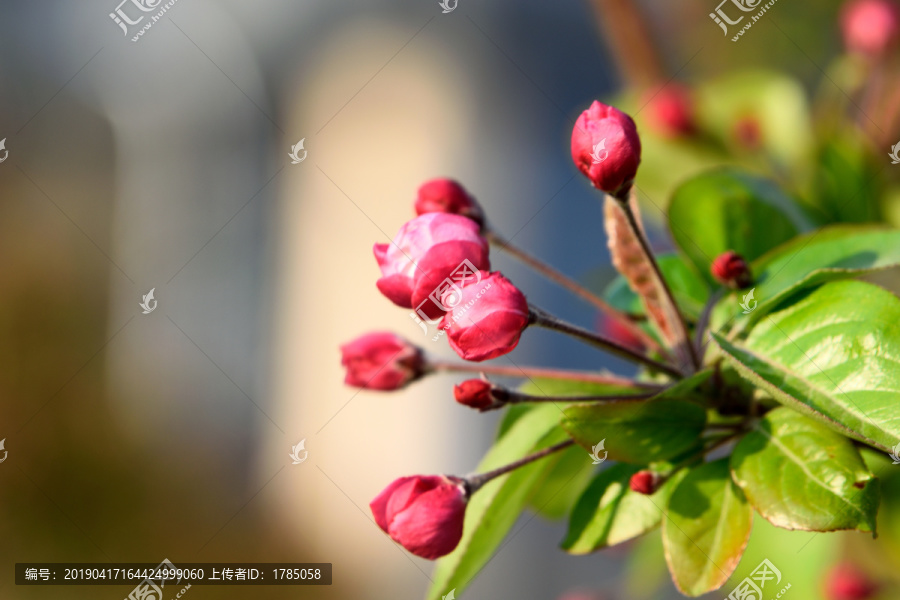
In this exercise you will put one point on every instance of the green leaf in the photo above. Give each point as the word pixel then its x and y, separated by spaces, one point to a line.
pixel 609 513
pixel 832 356
pixel 706 530
pixel 493 510
pixel 799 474
pixel 641 431
pixel 689 288
pixel 833 253
pixel 727 209
pixel 846 188
pixel 565 479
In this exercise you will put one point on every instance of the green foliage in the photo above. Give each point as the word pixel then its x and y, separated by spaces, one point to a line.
pixel 707 528
pixel 791 416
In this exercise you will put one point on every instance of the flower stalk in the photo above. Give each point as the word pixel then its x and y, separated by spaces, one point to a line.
pixel 474 482
pixel 542 318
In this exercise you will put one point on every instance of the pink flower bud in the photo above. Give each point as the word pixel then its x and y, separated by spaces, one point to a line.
pixel 474 393
pixel 870 26
pixel 487 319
pixel 381 361
pixel 448 196
pixel 606 148
pixel 644 482
pixel 845 581
pixel 613 329
pixel 671 112
pixel 424 513
pixel 731 269
pixel 428 250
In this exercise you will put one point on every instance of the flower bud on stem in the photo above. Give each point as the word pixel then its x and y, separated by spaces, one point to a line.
pixel 484 396
pixel 542 318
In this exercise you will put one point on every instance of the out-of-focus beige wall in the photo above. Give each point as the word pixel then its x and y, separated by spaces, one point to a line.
pixel 356 188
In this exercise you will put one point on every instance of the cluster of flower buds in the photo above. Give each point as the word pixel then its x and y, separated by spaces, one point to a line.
pixel 438 265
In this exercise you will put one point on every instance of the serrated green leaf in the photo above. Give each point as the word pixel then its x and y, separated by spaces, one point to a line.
pixel 493 510
pixel 609 513
pixel 728 209
pixel 641 431
pixel 706 530
pixel 832 356
pixel 799 474
pixel 829 254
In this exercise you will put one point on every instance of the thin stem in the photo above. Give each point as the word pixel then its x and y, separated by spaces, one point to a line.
pixel 627 320
pixel 542 318
pixel 669 298
pixel 474 482
pixel 703 323
pixel 539 372
pixel 513 397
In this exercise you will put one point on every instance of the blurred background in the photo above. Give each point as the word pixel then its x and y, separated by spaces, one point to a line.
pixel 162 164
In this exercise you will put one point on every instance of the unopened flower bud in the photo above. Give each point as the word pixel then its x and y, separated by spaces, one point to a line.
pixel 487 318
pixel 645 482
pixel 423 513
pixel 448 196
pixel 381 361
pixel 474 393
pixel 671 112
pixel 606 148
pixel 870 27
pixel 730 269
pixel 846 581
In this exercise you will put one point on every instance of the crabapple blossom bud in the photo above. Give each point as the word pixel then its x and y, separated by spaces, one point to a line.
pixel 846 581
pixel 448 196
pixel 870 26
pixel 606 148
pixel 671 112
pixel 644 482
pixel 474 393
pixel 614 330
pixel 488 318
pixel 730 269
pixel 381 361
pixel 423 513
pixel 426 251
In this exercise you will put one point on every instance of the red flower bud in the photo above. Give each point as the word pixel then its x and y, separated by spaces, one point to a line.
pixel 671 112
pixel 731 269
pixel 381 361
pixel 613 329
pixel 448 196
pixel 428 250
pixel 644 482
pixel 845 581
pixel 487 319
pixel 606 148
pixel 474 393
pixel 424 513
pixel 870 26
